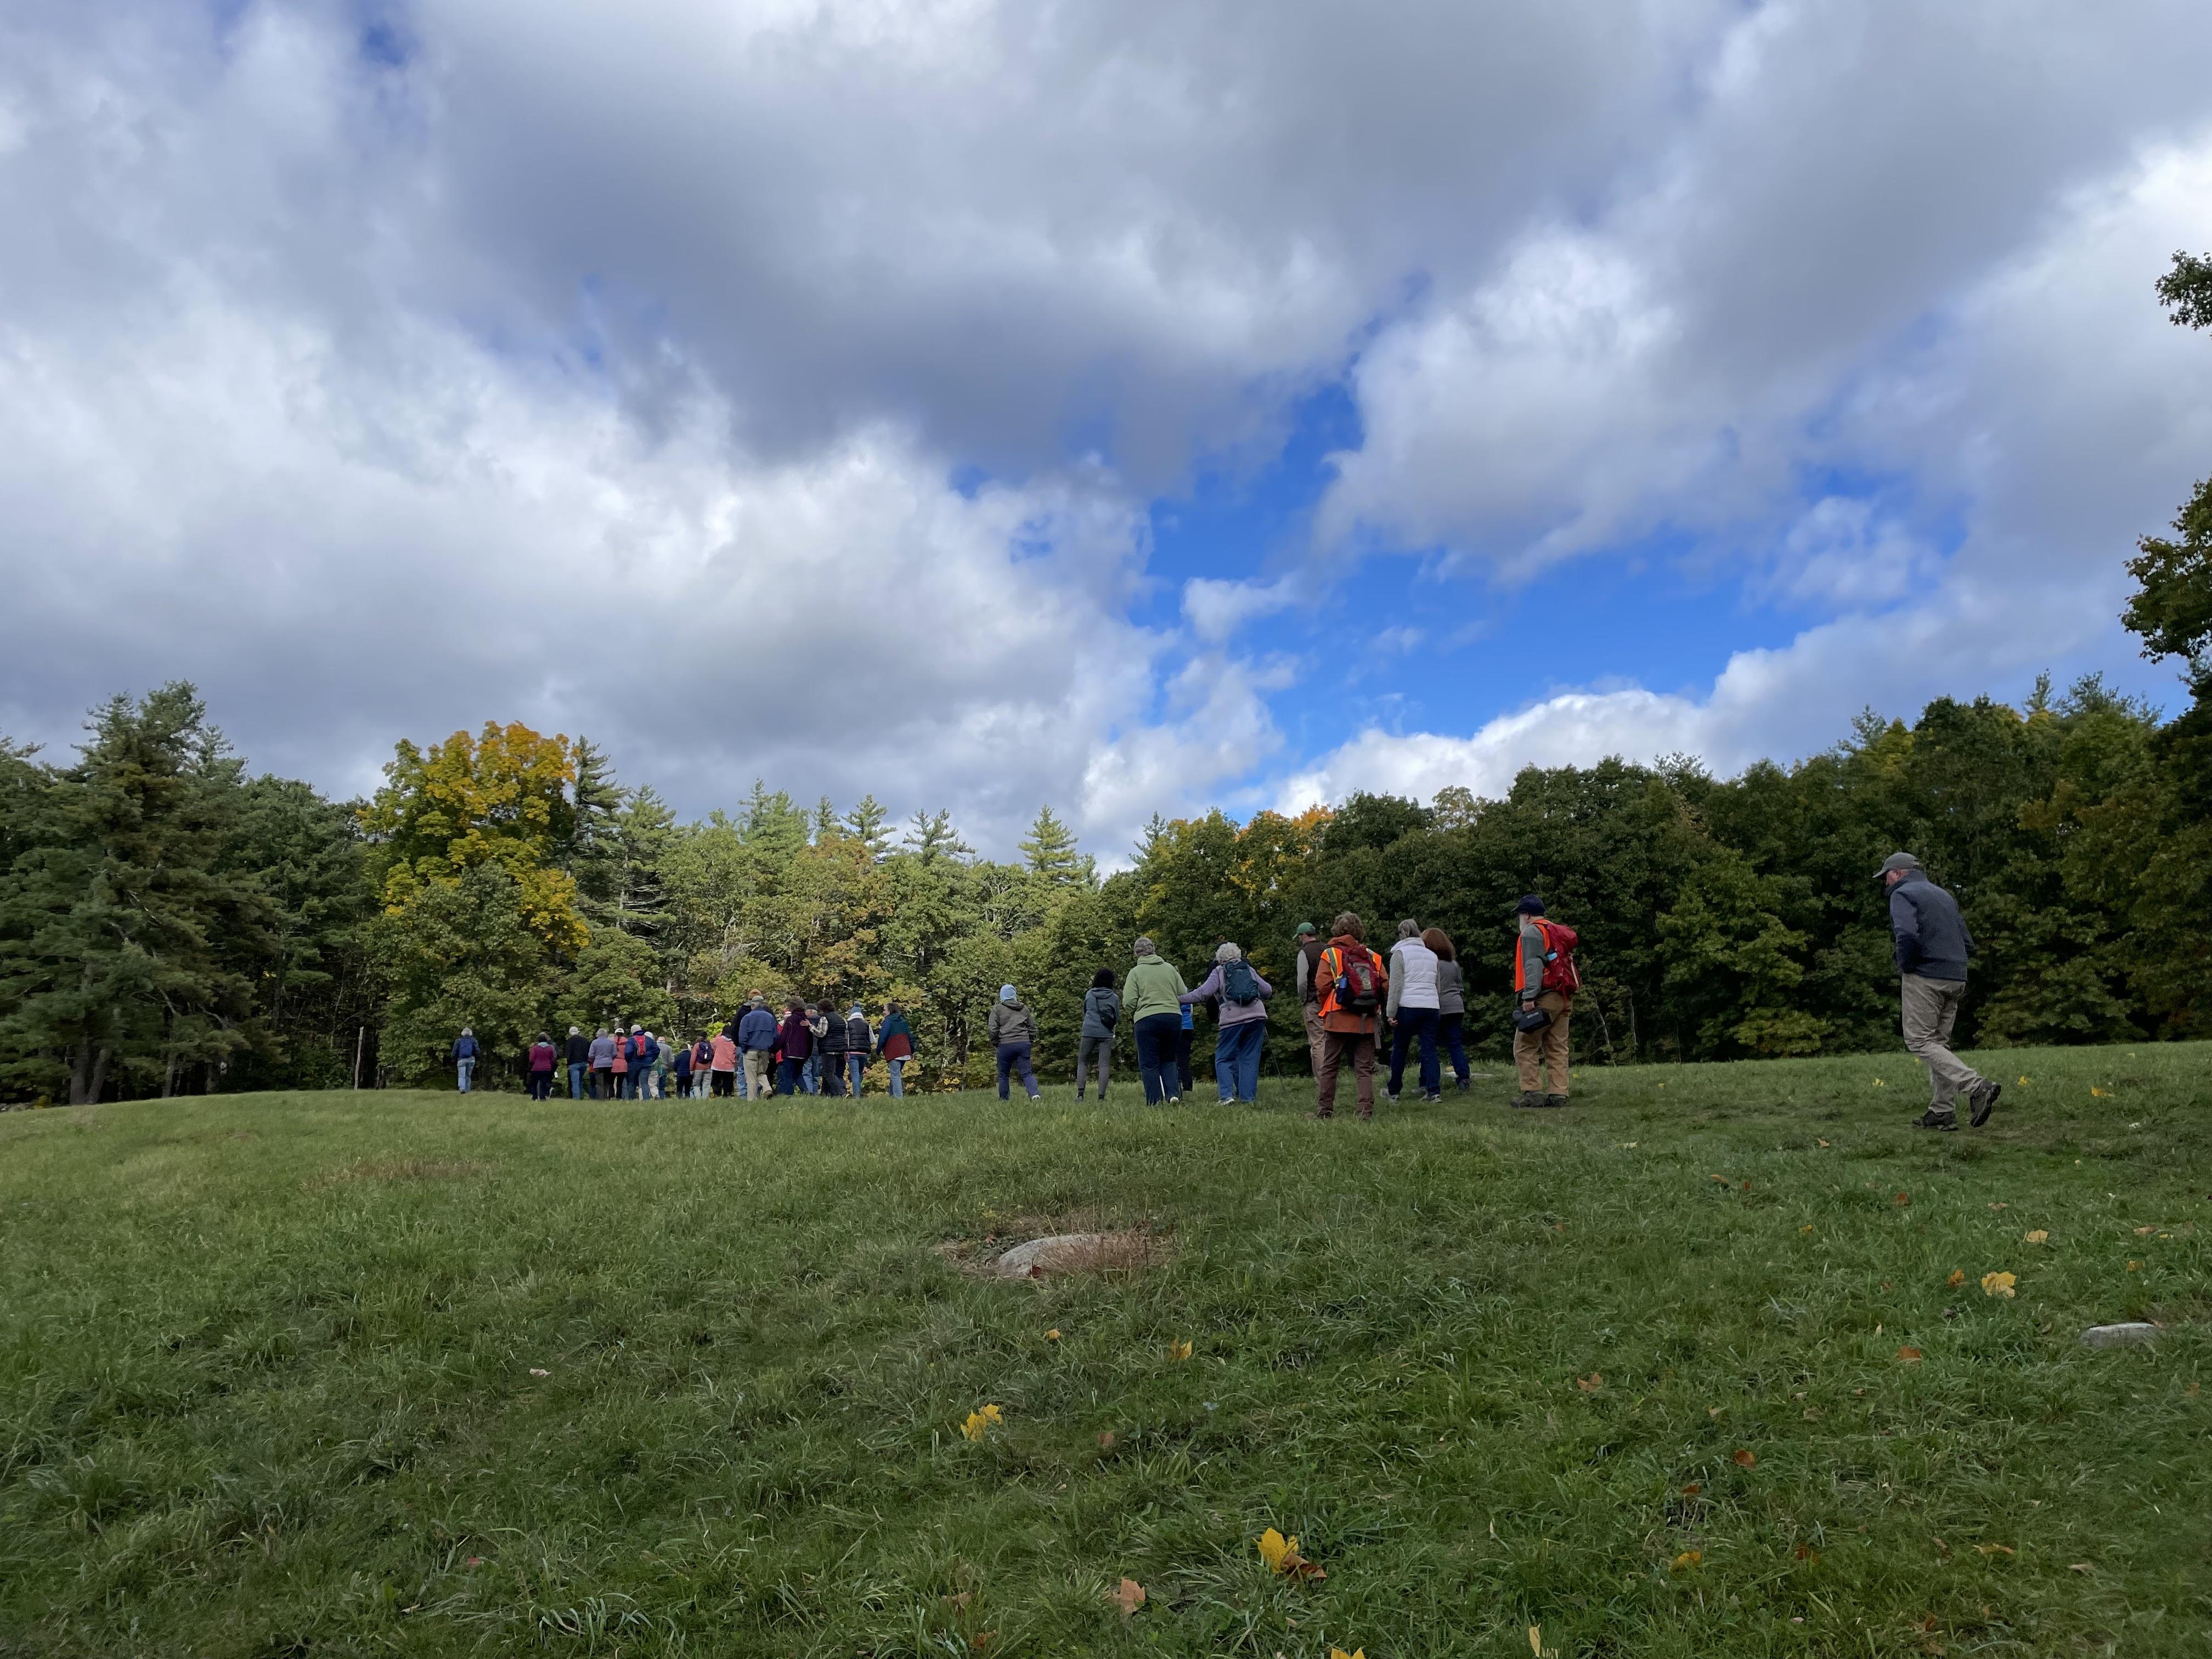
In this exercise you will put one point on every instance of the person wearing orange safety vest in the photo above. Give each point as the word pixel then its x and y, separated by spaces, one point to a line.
pixel 1544 983
pixel 1353 985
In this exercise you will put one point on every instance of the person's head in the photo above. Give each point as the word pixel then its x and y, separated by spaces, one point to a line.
pixel 1347 925
pixel 1409 928
pixel 857 1014
pixel 1225 952
pixel 1005 994
pixel 637 1031
pixel 1530 905
pixel 798 1007
pixel 1899 866
pixel 1103 980
pixel 891 1008
pixel 602 1030
pixel 1144 947
pixel 574 1032
pixel 1302 932
pixel 1439 941
pixel 467 1031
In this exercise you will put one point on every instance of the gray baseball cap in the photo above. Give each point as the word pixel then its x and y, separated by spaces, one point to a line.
pixel 1899 861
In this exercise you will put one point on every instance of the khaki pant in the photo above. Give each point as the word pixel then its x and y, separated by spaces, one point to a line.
pixel 1316 1037
pixel 1359 1047
pixel 756 1073
pixel 1931 1008
pixel 1545 1050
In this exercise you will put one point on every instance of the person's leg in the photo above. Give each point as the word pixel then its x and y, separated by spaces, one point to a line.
pixel 1931 1007
pixel 1401 1034
pixel 1005 1057
pixel 1316 1035
pixel 1153 1058
pixel 1082 1045
pixel 1105 1057
pixel 1451 1040
pixel 1432 1079
pixel 1334 1048
pixel 1182 1059
pixel 1363 1073
pixel 1224 1064
pixel 461 1074
pixel 1022 1065
pixel 1247 1062
pixel 898 1078
pixel 1554 1037
pixel 1527 1055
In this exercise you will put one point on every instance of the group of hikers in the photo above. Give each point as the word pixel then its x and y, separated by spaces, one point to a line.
pixel 1350 998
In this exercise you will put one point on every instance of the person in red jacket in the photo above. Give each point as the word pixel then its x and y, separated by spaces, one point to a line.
pixel 1544 981
pixel 544 1056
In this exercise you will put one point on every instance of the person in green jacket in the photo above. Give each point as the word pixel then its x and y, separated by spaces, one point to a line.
pixel 1152 992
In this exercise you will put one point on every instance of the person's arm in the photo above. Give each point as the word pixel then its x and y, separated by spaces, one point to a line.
pixel 1304 969
pixel 1211 984
pixel 1967 933
pixel 1532 962
pixel 1904 927
pixel 1267 991
pixel 1397 983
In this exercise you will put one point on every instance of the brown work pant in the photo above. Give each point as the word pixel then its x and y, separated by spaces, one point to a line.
pixel 1546 1050
pixel 1931 1008
pixel 1316 1037
pixel 1359 1045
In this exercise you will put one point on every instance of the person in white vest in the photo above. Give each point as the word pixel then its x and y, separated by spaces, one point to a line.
pixel 1413 1007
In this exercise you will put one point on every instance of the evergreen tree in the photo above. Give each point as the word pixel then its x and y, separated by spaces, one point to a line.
pixel 868 824
pixel 120 928
pixel 588 852
pixel 1051 852
pixel 931 837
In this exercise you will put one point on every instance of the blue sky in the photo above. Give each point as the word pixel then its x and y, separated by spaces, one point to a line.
pixel 1131 406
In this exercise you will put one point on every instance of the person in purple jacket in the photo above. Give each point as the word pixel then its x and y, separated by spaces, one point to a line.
pixel 798 1043
pixel 1244 996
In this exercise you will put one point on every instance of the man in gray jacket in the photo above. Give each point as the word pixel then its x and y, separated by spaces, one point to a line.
pixel 1932 948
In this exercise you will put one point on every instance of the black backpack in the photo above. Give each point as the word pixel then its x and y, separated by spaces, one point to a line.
pixel 1238 982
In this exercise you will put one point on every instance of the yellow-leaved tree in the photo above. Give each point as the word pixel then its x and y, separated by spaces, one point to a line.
pixel 479 916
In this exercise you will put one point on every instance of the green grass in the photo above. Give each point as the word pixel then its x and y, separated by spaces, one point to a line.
pixel 267 1384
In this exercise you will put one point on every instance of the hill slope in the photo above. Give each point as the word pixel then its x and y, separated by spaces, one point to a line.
pixel 404 1373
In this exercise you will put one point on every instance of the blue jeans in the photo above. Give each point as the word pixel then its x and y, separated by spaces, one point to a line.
pixel 1015 1057
pixel 1158 1036
pixel 1448 1038
pixel 1411 1023
pixel 577 1073
pixel 855 1065
pixel 810 1073
pixel 898 1080
pixel 1236 1059
pixel 465 1066
pixel 788 1072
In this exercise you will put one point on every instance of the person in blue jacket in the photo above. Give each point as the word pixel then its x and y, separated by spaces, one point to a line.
pixel 756 1035
pixel 467 1052
pixel 1933 944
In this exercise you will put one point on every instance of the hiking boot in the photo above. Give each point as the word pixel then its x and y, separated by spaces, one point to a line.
pixel 1431 1099
pixel 1555 1101
pixel 1527 1100
pixel 1932 1119
pixel 1983 1101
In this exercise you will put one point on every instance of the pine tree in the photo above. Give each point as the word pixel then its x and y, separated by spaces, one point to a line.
pixel 589 852
pixel 867 822
pixel 827 824
pixel 1051 852
pixel 120 927
pixel 931 837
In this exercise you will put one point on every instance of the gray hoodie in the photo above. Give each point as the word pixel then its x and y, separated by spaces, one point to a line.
pixel 1098 1002
pixel 1010 1022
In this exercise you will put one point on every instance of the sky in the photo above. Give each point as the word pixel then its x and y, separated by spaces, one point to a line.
pixel 1134 406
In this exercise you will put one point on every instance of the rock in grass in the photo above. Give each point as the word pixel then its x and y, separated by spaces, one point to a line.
pixel 2119 1336
pixel 1081 1253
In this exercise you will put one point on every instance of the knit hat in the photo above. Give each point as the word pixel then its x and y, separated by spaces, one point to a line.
pixel 1530 905
pixel 1898 861
pixel 1143 947
pixel 1005 994
pixel 1303 929
pixel 856 1011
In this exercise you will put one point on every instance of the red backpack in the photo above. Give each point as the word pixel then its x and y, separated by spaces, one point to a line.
pixel 1358 988
pixel 1559 942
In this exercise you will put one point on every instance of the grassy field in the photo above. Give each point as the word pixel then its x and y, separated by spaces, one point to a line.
pixel 338 1374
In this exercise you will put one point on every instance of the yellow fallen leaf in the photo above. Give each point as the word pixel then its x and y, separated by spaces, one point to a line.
pixel 2039 1236
pixel 1997 1549
pixel 1130 1596
pixel 1998 1283
pixel 2141 1232
pixel 2007 1207
pixel 981 1423
pixel 1052 1335
pixel 1275 1549
pixel 1536 1640
pixel 1957 1277
pixel 1685 1560
pixel 1743 1459
pixel 2023 1083
pixel 2135 1267
pixel 2101 1094
pixel 1910 1356
pixel 1722 1179
pixel 1339 1653
pixel 1805 1231
pixel 1179 1350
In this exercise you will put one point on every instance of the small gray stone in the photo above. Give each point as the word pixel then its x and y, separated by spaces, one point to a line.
pixel 1057 1254
pixel 2117 1336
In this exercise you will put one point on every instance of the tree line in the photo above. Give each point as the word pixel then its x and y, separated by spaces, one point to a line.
pixel 170 922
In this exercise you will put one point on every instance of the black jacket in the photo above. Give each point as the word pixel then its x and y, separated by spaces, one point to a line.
pixel 832 1040
pixel 857 1040
pixel 579 1050
pixel 1932 940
